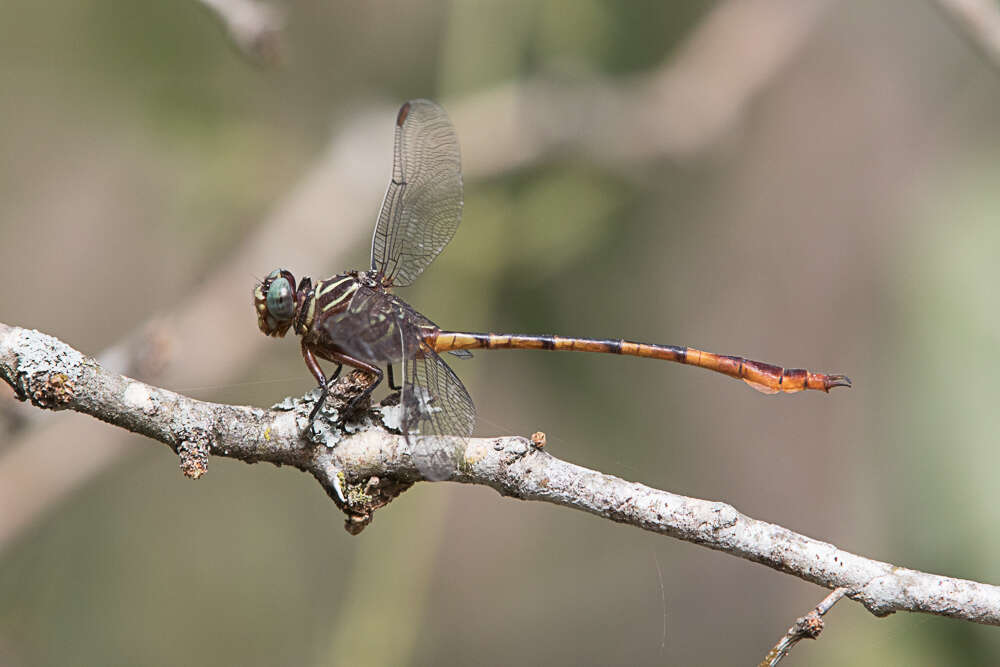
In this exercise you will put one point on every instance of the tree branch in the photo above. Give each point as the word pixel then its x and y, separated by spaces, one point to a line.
pixel 688 105
pixel 979 21
pixel 254 27
pixel 364 466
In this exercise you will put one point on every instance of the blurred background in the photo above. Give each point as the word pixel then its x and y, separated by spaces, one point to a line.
pixel 805 183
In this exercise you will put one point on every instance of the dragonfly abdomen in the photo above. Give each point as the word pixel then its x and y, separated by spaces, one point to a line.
pixel 763 377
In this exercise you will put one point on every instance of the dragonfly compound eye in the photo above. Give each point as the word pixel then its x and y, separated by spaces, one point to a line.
pixel 280 300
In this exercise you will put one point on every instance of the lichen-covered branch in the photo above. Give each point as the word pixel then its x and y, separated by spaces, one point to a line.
pixel 364 466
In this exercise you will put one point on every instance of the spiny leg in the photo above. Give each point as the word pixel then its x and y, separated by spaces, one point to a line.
pixel 324 382
pixel 339 358
pixel 321 401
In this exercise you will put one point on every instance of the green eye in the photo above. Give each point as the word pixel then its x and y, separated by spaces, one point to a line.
pixel 280 300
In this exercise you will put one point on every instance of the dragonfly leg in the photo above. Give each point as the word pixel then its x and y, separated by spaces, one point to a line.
pixel 375 370
pixel 341 359
pixel 313 365
pixel 321 401
pixel 314 368
pixel 336 373
pixel 392 381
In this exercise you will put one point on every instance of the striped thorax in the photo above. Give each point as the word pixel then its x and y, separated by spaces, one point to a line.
pixel 280 305
pixel 330 298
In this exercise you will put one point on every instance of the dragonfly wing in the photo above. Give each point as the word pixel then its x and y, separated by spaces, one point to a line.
pixel 423 203
pixel 435 403
pixel 379 328
pixel 369 328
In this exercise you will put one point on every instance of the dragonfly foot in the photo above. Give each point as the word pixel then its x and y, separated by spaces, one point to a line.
pixel 315 411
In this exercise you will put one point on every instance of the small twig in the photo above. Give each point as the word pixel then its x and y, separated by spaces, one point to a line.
pixel 369 466
pixel 255 27
pixel 979 21
pixel 808 626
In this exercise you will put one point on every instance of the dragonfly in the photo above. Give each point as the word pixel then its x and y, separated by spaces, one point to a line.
pixel 353 319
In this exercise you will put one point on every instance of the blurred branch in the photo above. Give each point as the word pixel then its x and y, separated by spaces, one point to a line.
pixel 979 21
pixel 255 27
pixel 808 626
pixel 687 105
pixel 367 469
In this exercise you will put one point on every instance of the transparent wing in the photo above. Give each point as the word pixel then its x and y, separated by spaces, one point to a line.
pixel 423 203
pixel 369 328
pixel 381 329
pixel 435 403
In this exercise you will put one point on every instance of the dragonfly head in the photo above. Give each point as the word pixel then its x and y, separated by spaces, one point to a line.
pixel 276 302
